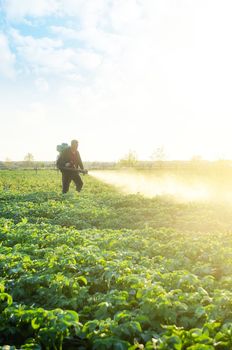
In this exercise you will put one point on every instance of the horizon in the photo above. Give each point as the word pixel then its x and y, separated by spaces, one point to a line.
pixel 191 160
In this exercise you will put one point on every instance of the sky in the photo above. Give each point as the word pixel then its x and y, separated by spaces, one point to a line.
pixel 118 75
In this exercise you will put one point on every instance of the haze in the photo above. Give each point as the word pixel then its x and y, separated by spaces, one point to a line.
pixel 184 186
pixel 117 75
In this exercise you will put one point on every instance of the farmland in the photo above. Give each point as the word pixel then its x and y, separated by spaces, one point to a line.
pixel 106 270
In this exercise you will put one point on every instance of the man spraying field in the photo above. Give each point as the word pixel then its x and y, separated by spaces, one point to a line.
pixel 70 164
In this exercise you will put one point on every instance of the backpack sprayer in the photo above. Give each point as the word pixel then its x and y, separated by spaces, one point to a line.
pixel 60 149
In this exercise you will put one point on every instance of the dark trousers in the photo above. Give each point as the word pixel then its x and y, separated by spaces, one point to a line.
pixel 67 177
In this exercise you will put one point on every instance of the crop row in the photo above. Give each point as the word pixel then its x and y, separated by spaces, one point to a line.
pixel 76 273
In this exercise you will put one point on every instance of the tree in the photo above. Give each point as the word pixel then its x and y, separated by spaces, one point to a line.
pixel 129 160
pixel 159 155
pixel 29 159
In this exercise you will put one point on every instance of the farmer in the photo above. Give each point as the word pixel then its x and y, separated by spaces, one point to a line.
pixel 68 162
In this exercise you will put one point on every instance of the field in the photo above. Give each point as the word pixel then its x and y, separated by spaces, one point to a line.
pixel 109 270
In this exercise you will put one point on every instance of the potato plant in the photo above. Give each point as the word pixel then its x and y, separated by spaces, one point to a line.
pixel 104 270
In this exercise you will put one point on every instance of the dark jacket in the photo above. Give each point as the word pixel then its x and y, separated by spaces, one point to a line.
pixel 67 157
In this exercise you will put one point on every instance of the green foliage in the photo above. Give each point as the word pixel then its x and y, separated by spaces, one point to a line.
pixel 102 270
